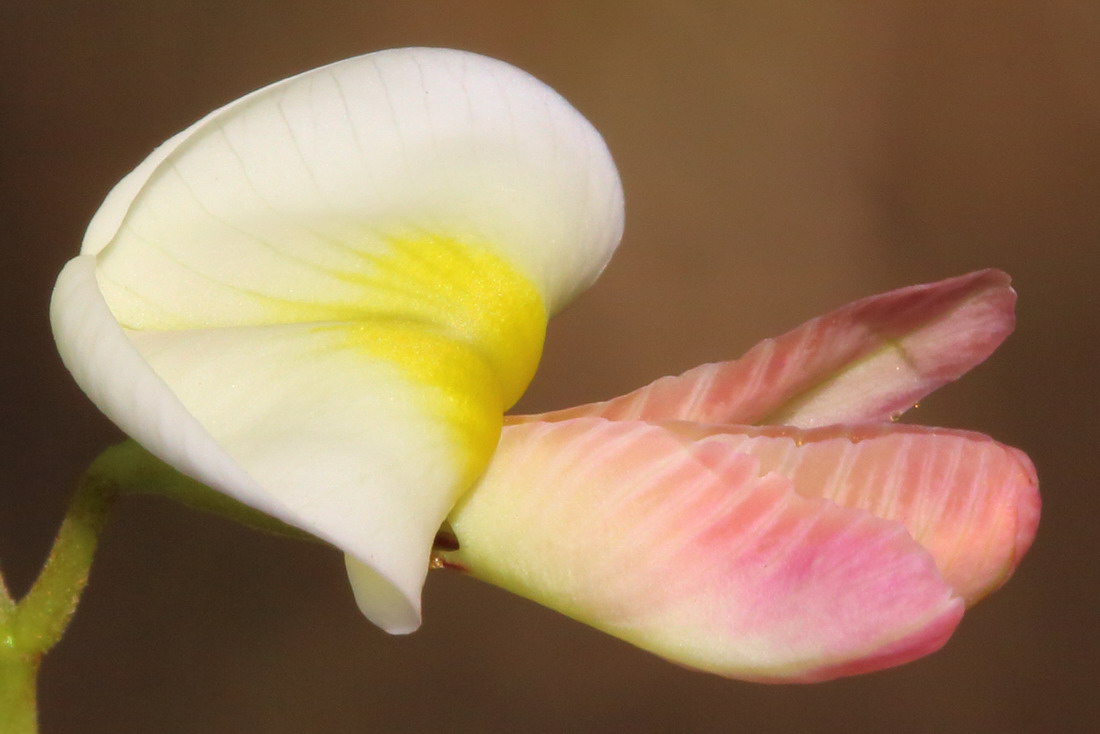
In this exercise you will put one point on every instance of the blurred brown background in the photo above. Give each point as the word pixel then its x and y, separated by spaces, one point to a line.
pixel 779 158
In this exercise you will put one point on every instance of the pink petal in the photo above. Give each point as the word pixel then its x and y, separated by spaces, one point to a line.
pixel 972 502
pixel 691 550
pixel 868 361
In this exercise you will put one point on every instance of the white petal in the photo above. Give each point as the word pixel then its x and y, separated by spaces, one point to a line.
pixel 120 382
pixel 301 421
pixel 321 298
pixel 354 451
pixel 286 193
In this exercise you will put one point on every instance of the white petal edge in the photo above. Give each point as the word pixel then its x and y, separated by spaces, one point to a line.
pixel 110 369
pixel 281 192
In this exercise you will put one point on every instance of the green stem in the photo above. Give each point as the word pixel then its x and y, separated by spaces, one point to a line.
pixel 7 604
pixel 34 625
pixel 43 614
pixel 18 673
pixel 29 628
pixel 133 470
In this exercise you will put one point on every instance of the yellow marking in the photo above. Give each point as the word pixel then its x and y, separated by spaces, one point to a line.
pixel 454 383
pixel 473 295
pixel 461 324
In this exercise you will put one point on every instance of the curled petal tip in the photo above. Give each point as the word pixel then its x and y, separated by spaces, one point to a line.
pixel 381 599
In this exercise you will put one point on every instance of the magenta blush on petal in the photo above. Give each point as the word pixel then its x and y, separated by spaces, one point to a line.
pixel 807 590
pixel 823 541
pixel 868 361
pixel 923 641
pixel 688 550
pixel 972 502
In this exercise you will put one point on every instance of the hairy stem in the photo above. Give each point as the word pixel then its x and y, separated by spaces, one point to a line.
pixel 43 614
pixel 28 629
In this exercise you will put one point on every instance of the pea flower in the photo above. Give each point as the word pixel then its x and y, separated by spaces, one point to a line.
pixel 764 518
pixel 321 298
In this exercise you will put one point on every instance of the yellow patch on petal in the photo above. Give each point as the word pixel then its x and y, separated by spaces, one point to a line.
pixel 474 295
pixel 462 325
pixel 452 380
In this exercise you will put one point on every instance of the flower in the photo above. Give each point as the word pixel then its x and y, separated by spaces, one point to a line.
pixel 321 298
pixel 764 518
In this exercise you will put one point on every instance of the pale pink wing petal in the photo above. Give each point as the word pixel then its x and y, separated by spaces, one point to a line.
pixel 868 361
pixel 686 549
pixel 972 502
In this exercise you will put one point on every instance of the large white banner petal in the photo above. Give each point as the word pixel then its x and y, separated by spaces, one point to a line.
pixel 321 298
